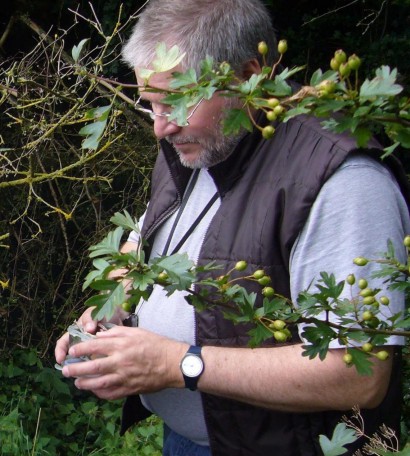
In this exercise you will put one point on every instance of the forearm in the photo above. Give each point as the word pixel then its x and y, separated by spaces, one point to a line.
pixel 284 380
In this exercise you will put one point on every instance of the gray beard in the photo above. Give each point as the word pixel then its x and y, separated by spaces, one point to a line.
pixel 213 152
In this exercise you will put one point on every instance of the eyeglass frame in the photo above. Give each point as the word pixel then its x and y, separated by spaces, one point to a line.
pixel 153 115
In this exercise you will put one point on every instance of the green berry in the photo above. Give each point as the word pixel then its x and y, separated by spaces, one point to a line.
pixel 351 279
pixel 348 358
pixel 280 336
pixel 354 62
pixel 273 102
pixel 126 306
pixel 360 261
pixel 162 278
pixel 278 324
pixel 406 241
pixel 268 292
pixel 268 132
pixel 367 347
pixel 382 355
pixel 362 283
pixel 265 280
pixel 366 292
pixel 262 48
pixel 278 110
pixel 241 265
pixel 271 116
pixel 340 56
pixel 344 70
pixel 334 64
pixel 384 300
pixel 368 300
pixel 258 274
pixel 326 87
pixel 282 46
pixel 367 315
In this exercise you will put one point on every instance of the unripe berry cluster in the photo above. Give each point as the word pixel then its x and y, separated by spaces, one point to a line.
pixel 344 65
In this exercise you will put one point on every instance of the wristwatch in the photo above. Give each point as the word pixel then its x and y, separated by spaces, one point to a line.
pixel 192 366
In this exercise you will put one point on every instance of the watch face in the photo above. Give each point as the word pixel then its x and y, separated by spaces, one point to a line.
pixel 192 365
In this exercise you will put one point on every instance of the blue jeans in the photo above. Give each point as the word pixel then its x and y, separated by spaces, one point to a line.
pixel 177 445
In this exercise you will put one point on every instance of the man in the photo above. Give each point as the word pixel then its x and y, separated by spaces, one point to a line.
pixel 304 202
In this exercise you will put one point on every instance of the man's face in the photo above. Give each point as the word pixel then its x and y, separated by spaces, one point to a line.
pixel 201 144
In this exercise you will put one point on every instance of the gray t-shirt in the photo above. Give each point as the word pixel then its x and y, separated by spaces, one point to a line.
pixel 357 210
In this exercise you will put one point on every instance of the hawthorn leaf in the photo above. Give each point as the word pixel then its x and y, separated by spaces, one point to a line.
pixel 167 59
pixel 107 303
pixel 76 51
pixel 382 85
pixel 95 130
pixel 110 245
pixel 335 446
pixel 235 120
pixel 125 221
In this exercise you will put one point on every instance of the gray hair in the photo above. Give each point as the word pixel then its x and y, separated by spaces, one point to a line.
pixel 226 30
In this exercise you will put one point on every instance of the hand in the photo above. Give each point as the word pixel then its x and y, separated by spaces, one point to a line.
pixel 89 325
pixel 127 361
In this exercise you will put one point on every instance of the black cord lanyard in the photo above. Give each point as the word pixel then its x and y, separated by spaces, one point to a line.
pixel 181 210
pixel 133 319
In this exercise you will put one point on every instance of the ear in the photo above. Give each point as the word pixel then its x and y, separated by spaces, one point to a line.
pixel 250 67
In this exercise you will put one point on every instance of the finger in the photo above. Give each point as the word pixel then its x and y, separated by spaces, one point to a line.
pixel 61 349
pixel 88 368
pixel 87 322
pixel 108 382
pixel 99 347
pixel 118 331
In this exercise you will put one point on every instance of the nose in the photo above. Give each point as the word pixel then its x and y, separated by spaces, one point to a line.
pixel 163 128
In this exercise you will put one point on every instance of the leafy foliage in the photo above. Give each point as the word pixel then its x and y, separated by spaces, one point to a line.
pixel 356 323
pixel 336 445
pixel 42 413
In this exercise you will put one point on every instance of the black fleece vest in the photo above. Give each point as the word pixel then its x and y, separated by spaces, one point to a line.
pixel 267 189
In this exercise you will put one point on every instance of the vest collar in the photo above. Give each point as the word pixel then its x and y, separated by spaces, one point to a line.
pixel 224 174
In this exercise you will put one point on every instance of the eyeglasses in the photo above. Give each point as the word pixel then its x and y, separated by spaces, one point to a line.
pixel 139 105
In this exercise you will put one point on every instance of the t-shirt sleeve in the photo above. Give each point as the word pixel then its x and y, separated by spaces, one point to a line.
pixel 358 210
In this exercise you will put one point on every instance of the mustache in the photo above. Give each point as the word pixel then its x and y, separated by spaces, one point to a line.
pixel 179 139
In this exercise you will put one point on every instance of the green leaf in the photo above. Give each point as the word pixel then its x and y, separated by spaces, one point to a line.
pixel 167 59
pixel 342 436
pixel 287 73
pixel 362 135
pixel 107 303
pixel 319 337
pixel 383 85
pixel 273 305
pixel 235 121
pixel 318 76
pixel 141 281
pixel 125 221
pixel 278 88
pixel 179 269
pixel 180 104
pixel 183 79
pixel 361 361
pixel 76 51
pixel 251 84
pixel 110 245
pixel 95 130
pixel 258 335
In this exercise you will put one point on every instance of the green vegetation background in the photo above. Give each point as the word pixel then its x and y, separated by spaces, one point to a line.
pixel 44 260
